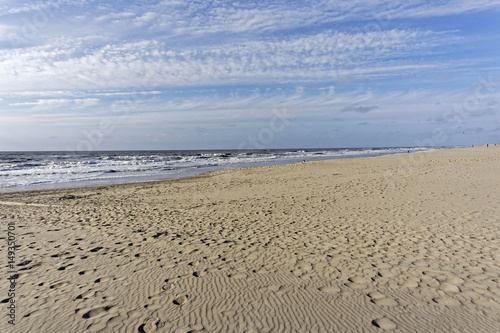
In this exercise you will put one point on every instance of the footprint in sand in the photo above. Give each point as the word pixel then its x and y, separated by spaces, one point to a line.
pixel 376 295
pixel 103 279
pixel 380 299
pixel 284 290
pixel 33 314
pixel 410 284
pixel 134 314
pixel 58 285
pixel 357 282
pixel 87 294
pixel 180 300
pixel 152 307
pixel 62 268
pixel 150 325
pixel 86 271
pixel 274 287
pixel 385 301
pixel 386 273
pixel 98 312
pixel 95 249
pixel 384 323
pixel 448 301
pixel 455 280
pixel 483 301
pixel 31 267
pixel 448 287
pixel 238 276
pixel 24 263
pixel 330 290
pixel 199 273
pixel 167 286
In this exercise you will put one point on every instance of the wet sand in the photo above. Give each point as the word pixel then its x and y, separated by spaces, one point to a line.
pixel 407 243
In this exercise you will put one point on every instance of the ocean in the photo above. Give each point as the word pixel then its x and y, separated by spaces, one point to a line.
pixel 37 170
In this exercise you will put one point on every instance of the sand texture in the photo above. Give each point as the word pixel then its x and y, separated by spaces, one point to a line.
pixel 401 243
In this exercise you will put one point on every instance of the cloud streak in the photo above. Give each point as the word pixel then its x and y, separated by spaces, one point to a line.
pixel 321 56
pixel 51 104
pixel 211 17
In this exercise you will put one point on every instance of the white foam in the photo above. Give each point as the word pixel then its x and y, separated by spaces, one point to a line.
pixel 26 169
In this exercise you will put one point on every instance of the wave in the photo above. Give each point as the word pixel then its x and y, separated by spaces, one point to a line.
pixel 26 169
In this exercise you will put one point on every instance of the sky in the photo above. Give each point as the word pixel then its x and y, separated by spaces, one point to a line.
pixel 215 74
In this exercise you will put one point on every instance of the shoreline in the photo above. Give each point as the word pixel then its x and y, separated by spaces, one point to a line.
pixel 187 174
pixel 404 242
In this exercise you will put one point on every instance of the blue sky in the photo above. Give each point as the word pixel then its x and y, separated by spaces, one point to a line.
pixel 104 75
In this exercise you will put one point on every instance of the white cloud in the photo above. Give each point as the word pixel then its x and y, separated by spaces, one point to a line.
pixel 363 104
pixel 50 104
pixel 43 93
pixel 91 58
pixel 174 18
pixel 115 17
pixel 125 93
pixel 47 6
pixel 421 8
pixel 86 62
pixel 325 55
pixel 145 18
pixel 415 106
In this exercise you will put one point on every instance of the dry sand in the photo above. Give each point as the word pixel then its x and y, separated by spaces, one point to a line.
pixel 407 242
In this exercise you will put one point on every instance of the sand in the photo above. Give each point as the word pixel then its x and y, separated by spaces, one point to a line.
pixel 402 243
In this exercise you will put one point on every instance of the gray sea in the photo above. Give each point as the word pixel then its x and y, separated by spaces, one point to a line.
pixel 35 170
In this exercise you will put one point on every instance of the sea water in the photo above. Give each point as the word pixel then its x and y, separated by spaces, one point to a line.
pixel 34 170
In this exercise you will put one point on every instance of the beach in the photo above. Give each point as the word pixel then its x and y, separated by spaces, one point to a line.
pixel 406 242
